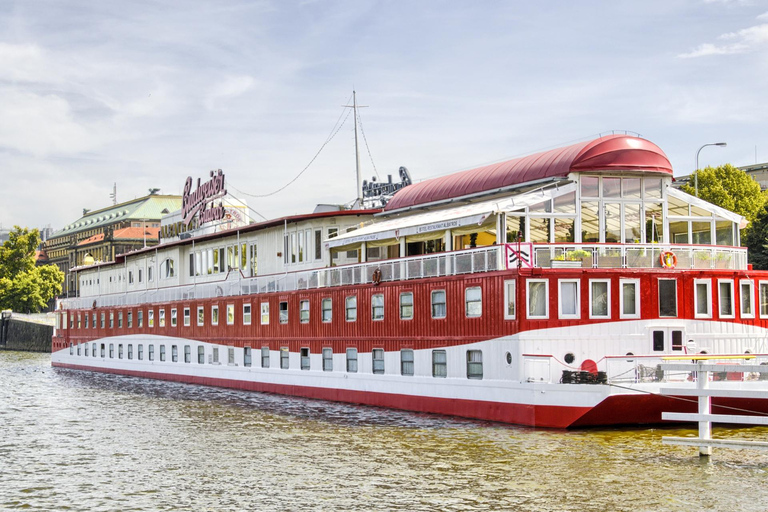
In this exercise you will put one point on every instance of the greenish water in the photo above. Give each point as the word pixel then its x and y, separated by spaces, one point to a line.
pixel 82 441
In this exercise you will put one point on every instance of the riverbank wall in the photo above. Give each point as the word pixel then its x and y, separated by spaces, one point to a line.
pixel 29 333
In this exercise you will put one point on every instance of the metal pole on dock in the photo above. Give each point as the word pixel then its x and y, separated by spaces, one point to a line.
pixel 705 408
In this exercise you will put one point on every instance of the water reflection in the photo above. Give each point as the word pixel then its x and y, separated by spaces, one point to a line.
pixel 84 441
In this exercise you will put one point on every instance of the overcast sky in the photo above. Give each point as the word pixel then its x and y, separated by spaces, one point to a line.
pixel 146 93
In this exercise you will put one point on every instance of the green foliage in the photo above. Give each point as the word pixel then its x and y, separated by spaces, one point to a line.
pixel 23 286
pixel 755 239
pixel 730 188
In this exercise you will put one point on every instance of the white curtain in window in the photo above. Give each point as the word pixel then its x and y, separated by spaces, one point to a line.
pixel 568 298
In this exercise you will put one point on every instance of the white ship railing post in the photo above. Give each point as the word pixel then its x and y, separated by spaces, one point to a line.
pixel 705 408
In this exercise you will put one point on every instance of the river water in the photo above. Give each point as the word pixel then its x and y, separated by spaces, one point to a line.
pixel 83 441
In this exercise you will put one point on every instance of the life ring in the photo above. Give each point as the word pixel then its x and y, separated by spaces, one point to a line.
pixel 376 277
pixel 668 259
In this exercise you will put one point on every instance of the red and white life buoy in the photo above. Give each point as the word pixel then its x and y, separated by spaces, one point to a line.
pixel 668 259
pixel 376 277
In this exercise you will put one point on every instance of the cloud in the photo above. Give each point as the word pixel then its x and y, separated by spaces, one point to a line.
pixel 230 87
pixel 763 16
pixel 743 41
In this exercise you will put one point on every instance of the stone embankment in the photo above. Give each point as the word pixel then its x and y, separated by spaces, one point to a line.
pixel 30 333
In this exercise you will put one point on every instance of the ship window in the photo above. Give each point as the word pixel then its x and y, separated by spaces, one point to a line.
pixel 378 360
pixel 599 299
pixel 119 319
pixel 406 362
pixel 569 299
pixel 93 350
pixel 162 352
pixel 304 311
pixel 352 360
pixel 200 354
pixel 538 298
pixel 151 352
pixel 151 318
pixel 439 364
pixel 174 319
pixel 111 350
pixel 78 349
pixel 658 341
pixel 351 308
pixel 215 355
pixel 111 319
pixel 130 319
pixel 746 294
pixel 264 313
pixel 327 313
pixel 318 244
pixel 101 323
pixel 668 297
pixel 86 321
pixel 377 307
pixel 726 298
pixel 438 303
pixel 327 359
pixel 246 314
pixel 120 351
pixel 629 300
pixel 509 300
pixel 304 357
pixel 174 353
pixel 265 357
pixel 93 324
pixel 230 314
pixel 86 349
pixel 150 277
pixel 71 348
pixel 166 268
pixel 130 351
pixel 283 312
pixel 246 356
pixel 703 298
pixel 79 321
pixel 200 315
pixel 474 364
pixel 677 340
pixel 140 351
pixel 284 358
pixel 187 354
pixel 187 317
pixel 231 354
pixel 473 301
pixel 214 315
pixel 763 299
pixel 406 306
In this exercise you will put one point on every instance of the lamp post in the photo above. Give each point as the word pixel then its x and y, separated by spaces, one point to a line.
pixel 696 171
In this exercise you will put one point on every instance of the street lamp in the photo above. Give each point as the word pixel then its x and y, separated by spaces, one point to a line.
pixel 696 172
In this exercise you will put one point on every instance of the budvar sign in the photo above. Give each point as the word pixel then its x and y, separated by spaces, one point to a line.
pixel 201 199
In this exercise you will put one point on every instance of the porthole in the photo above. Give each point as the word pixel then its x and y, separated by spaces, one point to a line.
pixel 509 358
pixel 569 358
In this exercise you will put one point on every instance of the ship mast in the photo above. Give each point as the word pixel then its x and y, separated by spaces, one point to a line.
pixel 355 106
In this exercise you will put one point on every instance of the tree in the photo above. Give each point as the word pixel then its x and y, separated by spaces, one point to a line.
pixel 23 286
pixel 755 239
pixel 730 188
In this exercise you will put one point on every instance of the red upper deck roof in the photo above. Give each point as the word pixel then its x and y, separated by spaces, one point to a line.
pixel 606 154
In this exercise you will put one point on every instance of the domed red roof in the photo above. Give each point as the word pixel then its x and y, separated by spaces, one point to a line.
pixel 606 154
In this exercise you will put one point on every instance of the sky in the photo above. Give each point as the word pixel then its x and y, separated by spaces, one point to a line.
pixel 144 93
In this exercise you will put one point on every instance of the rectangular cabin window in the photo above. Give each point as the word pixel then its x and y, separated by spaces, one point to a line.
pixel 473 302
pixel 510 299
pixel 327 359
pixel 151 318
pixel 94 348
pixel 439 364
pixel 130 351
pixel 231 354
pixel 538 298
pixel 658 341
pixel 215 355
pixel 200 315
pixel 352 360
pixel 677 340
pixel 406 306
pixel 214 315
pixel 318 244
pixel 111 350
pixel 246 314
pixel 746 296
pixel 130 319
pixel 305 358
pixel 246 356
pixel 377 307
pixel 187 317
pixel 282 312
pixel 725 299
pixel 265 313
pixel 174 319
pixel 265 357
pixel 406 362
pixel 668 297
pixel 151 352
pixel 187 353
pixel 93 324
pixel 162 352
pixel 200 354
pixel 86 349
pixel 102 320
pixel 702 298
pixel 475 364
pixel 174 353
pixel 230 314
pixel 284 358
pixel 79 321
pixel 599 298
pixel 629 300
pixel 327 310
pixel 378 360
pixel 304 311
pixel 438 303
pixel 140 351
pixel 569 302
pixel 86 321
pixel 350 306
pixel 763 299
pixel 120 351
pixel 162 318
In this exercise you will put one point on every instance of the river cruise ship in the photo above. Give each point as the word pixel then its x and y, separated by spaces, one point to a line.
pixel 544 291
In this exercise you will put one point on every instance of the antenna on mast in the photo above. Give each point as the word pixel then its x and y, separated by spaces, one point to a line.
pixel 355 106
